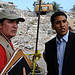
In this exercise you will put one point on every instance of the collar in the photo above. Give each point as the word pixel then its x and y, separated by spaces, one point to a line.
pixel 5 37
pixel 65 38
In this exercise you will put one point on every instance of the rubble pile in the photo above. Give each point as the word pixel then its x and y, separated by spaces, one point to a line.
pixel 25 38
pixel 27 31
pixel 26 35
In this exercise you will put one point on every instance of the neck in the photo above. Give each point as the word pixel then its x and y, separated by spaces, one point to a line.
pixel 59 37
pixel 8 39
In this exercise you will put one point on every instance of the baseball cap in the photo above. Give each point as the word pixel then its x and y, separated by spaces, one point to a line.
pixel 10 14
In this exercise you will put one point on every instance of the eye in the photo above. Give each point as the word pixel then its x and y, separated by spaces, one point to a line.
pixel 9 21
pixel 58 22
pixel 64 21
pixel 17 22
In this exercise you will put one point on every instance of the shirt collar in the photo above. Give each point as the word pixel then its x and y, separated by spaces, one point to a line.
pixel 65 38
pixel 5 37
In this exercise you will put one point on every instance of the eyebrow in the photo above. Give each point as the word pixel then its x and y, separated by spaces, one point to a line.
pixel 62 20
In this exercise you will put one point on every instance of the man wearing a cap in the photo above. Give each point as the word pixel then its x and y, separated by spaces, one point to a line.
pixel 8 27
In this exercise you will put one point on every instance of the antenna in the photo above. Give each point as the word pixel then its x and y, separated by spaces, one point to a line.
pixel 38 26
pixel 35 55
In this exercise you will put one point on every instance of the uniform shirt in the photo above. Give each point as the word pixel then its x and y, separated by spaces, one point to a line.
pixel 3 57
pixel 61 50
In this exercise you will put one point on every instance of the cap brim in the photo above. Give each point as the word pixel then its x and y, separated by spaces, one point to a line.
pixel 17 18
pixel 13 17
pixel 9 14
pixel 21 19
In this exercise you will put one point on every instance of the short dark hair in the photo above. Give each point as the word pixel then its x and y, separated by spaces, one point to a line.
pixel 57 13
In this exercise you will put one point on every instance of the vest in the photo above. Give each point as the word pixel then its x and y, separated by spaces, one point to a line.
pixel 5 44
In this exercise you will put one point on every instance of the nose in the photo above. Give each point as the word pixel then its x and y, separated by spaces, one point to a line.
pixel 15 24
pixel 62 24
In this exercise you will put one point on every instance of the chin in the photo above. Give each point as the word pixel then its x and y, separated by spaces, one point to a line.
pixel 13 35
pixel 63 34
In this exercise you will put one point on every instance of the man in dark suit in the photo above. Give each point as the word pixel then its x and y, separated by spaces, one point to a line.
pixel 59 52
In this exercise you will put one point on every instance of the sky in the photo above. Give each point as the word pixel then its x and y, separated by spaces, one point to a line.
pixel 24 4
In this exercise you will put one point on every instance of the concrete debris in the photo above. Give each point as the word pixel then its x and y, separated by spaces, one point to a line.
pixel 25 38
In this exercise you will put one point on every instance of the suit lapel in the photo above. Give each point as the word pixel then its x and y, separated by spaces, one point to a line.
pixel 68 49
pixel 55 55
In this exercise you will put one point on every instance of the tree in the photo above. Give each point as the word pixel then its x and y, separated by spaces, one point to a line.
pixel 56 7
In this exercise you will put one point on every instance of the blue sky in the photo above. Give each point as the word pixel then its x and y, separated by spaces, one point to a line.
pixel 23 4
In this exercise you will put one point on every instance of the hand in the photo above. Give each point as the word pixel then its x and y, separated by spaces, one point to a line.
pixel 24 71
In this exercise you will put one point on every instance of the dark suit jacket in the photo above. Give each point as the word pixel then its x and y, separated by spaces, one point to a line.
pixel 69 56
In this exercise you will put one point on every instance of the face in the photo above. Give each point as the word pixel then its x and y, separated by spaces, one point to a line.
pixel 9 28
pixel 60 25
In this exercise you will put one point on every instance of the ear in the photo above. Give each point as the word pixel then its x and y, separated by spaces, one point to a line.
pixel 0 25
pixel 53 27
